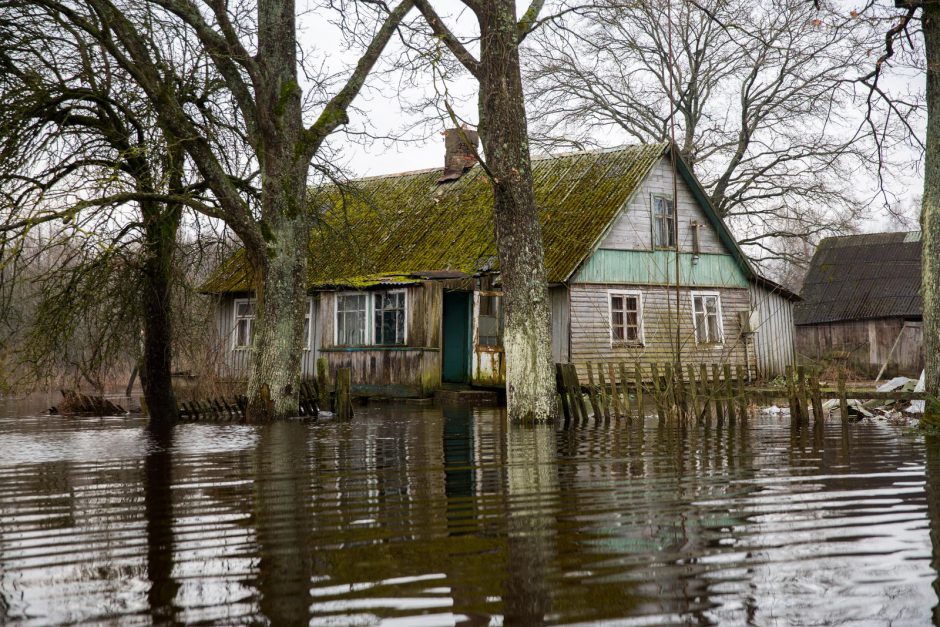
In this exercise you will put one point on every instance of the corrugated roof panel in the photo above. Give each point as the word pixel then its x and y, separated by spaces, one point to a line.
pixel 874 275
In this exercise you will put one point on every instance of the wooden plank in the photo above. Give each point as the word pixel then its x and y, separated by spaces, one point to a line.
pixel 818 413
pixel 704 391
pixel 742 397
pixel 625 389
pixel 614 392
pixel 717 393
pixel 602 389
pixel 592 393
pixel 657 391
pixel 576 385
pixel 729 391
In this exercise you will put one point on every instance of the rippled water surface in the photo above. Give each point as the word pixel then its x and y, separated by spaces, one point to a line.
pixel 450 516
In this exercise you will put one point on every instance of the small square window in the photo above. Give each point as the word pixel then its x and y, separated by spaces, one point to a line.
pixel 706 316
pixel 244 323
pixel 389 318
pixel 626 318
pixel 490 320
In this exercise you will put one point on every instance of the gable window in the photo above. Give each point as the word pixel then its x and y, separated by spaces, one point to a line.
pixel 626 318
pixel 706 317
pixel 490 320
pixel 664 223
pixel 389 318
pixel 351 318
pixel 244 322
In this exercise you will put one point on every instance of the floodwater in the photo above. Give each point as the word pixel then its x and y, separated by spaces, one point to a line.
pixel 450 516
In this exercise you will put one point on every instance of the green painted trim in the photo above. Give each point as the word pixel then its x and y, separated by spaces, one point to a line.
pixel 377 347
pixel 658 267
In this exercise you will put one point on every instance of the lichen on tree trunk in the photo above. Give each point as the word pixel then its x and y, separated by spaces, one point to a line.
pixel 930 216
pixel 530 382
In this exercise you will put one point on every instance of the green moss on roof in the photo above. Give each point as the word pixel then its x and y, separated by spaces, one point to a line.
pixel 390 229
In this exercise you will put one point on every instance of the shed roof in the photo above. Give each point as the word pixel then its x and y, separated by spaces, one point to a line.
pixel 402 228
pixel 858 277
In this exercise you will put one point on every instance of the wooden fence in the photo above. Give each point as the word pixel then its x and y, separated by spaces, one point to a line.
pixel 700 391
pixel 314 394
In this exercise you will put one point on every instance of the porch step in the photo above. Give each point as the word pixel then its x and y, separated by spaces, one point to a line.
pixel 466 396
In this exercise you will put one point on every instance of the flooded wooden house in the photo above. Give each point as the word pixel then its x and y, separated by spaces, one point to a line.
pixel 861 304
pixel 405 286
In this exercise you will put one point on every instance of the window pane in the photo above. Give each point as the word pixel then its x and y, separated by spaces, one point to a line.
pixel 701 328
pixel 633 333
pixel 713 334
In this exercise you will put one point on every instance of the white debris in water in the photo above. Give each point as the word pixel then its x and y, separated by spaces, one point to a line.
pixel 894 384
pixel 773 410
pixel 917 407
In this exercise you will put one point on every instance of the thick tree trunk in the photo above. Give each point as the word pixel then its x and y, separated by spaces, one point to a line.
pixel 281 303
pixel 930 215
pixel 281 269
pixel 530 382
pixel 156 366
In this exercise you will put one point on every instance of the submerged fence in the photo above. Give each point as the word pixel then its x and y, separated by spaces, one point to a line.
pixel 698 391
pixel 315 395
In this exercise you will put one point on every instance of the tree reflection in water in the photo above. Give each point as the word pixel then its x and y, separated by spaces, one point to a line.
pixel 158 507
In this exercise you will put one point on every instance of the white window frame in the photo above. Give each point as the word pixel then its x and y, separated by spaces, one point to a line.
pixel 369 336
pixel 251 323
pixel 477 296
pixel 308 320
pixel 372 305
pixel 641 338
pixel 672 218
pixel 721 322
pixel 366 333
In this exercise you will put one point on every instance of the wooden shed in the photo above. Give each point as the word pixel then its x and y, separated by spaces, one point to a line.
pixel 405 285
pixel 861 304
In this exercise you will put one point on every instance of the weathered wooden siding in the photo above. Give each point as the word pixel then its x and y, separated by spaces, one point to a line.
pixel 558 297
pixel 633 230
pixel 234 363
pixel 590 328
pixel 774 341
pixel 864 345
pixel 410 370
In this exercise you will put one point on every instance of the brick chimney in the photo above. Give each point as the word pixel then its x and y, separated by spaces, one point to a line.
pixel 458 155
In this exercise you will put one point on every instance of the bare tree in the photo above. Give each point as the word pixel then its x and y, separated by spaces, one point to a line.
pixel 530 382
pixel 763 97
pixel 253 56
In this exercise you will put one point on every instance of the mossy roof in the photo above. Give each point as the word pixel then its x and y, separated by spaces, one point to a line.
pixel 403 227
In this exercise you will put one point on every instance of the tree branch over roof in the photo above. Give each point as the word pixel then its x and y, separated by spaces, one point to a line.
pixel 450 40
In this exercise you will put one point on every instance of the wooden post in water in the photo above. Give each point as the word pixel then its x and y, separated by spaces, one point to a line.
pixel 323 385
pixel 801 391
pixel 614 393
pixel 817 395
pixel 694 392
pixel 843 401
pixel 791 394
pixel 742 393
pixel 729 391
pixel 669 389
pixel 602 387
pixel 718 394
pixel 592 392
pixel 344 409
pixel 657 391
pixel 705 392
